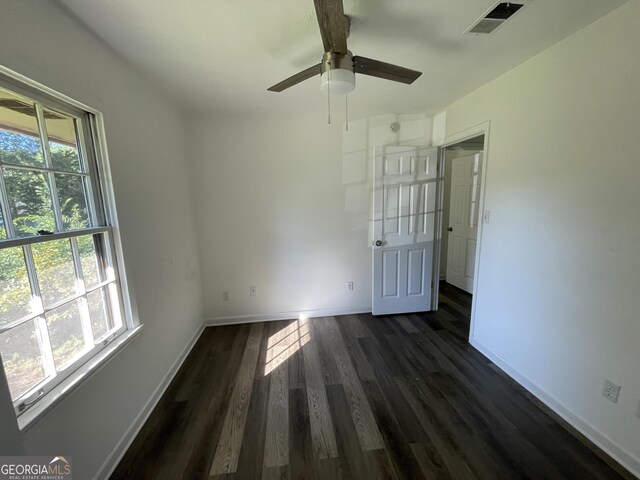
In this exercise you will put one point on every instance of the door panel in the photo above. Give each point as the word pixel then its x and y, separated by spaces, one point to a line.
pixel 404 222
pixel 463 221
pixel 390 273
pixel 415 267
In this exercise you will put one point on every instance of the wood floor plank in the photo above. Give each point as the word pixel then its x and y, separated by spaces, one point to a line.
pixel 353 324
pixel 208 412
pixel 322 432
pixel 379 338
pixel 380 465
pixel 351 457
pixel 276 447
pixel 275 473
pixel 250 461
pixel 431 462
pixel 301 455
pixel 395 440
pixel 406 324
pixel 351 340
pixel 363 419
pixel 328 365
pixel 404 416
pixel 444 454
pixel 228 449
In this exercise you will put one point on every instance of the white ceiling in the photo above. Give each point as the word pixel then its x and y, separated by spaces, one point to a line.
pixel 221 55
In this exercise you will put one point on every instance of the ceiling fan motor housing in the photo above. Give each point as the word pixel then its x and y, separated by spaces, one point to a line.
pixel 338 76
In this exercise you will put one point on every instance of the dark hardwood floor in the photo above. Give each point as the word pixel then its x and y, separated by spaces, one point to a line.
pixel 353 397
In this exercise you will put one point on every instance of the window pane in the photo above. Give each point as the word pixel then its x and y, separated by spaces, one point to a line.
pixel 100 321
pixel 73 202
pixel 61 131
pixel 55 270
pixel 114 296
pixel 65 333
pixel 15 291
pixel 91 265
pixel 22 358
pixel 19 134
pixel 29 201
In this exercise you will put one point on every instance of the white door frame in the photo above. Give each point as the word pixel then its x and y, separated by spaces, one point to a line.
pixel 472 132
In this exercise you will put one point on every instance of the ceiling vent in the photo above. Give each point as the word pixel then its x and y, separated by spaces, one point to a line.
pixel 496 16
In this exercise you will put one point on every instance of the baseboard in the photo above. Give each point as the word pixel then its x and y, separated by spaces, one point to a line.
pixel 114 458
pixel 266 317
pixel 598 438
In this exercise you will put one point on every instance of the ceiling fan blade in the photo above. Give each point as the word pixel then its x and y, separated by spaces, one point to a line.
pixel 375 68
pixel 332 24
pixel 297 78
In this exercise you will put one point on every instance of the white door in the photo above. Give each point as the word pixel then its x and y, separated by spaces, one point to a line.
pixel 404 201
pixel 463 221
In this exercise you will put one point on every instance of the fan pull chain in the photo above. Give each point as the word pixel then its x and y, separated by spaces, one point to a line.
pixel 329 96
pixel 346 113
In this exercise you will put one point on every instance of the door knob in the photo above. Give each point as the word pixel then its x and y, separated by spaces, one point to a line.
pixel 450 229
pixel 378 243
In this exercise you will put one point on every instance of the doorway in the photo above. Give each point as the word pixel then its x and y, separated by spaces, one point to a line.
pixel 462 167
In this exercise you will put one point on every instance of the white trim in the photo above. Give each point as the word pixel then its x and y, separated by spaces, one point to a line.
pixel 267 317
pixel 20 241
pixel 46 90
pixel 602 441
pixel 114 458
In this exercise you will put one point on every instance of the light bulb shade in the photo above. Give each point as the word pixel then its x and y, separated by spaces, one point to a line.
pixel 342 81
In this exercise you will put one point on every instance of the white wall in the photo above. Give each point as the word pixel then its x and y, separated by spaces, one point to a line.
pixel 145 136
pixel 283 204
pixel 557 304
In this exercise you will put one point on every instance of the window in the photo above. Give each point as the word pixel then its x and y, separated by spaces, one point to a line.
pixel 61 301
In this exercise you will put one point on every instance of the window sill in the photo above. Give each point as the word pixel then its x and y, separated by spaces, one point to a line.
pixel 86 371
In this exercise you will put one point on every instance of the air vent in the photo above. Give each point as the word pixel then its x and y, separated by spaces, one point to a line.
pixel 486 25
pixel 496 16
pixel 504 11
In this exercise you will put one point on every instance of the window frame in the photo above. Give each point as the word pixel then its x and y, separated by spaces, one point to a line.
pixel 101 210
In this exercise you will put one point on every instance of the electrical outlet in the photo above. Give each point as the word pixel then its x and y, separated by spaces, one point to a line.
pixel 350 286
pixel 486 216
pixel 611 391
pixel 252 291
pixel 225 295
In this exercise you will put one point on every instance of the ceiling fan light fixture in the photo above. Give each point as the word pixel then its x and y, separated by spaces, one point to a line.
pixel 338 65
pixel 338 81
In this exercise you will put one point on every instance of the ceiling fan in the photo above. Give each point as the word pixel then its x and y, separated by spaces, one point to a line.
pixel 338 66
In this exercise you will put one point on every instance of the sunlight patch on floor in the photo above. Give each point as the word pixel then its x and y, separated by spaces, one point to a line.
pixel 286 342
